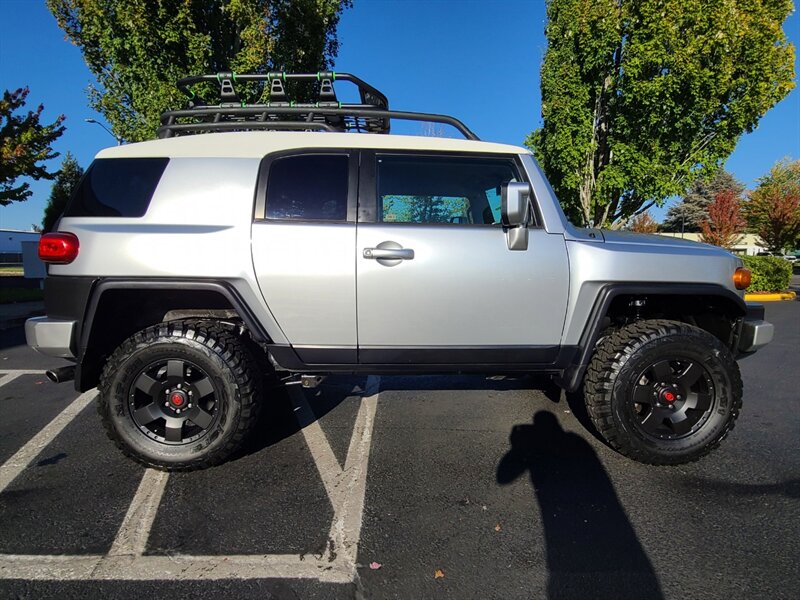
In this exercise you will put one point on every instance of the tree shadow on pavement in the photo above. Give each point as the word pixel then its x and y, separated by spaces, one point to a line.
pixel 592 549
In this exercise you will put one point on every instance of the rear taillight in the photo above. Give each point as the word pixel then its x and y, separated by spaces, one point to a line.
pixel 58 248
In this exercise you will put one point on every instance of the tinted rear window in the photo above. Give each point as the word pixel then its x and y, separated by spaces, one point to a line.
pixel 309 187
pixel 117 187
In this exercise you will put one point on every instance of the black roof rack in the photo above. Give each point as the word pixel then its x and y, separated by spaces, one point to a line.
pixel 371 115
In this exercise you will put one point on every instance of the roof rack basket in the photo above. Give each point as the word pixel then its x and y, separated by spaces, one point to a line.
pixel 371 115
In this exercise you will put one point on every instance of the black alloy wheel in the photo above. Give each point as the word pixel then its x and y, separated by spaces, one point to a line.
pixel 173 401
pixel 673 398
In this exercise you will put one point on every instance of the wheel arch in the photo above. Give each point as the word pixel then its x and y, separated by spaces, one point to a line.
pixel 711 307
pixel 119 308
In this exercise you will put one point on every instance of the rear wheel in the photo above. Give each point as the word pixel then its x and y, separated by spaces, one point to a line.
pixel 179 396
pixel 663 392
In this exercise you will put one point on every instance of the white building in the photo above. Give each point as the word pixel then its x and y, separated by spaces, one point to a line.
pixel 748 244
pixel 10 240
pixel 11 244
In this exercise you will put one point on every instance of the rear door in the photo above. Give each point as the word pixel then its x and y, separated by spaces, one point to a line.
pixel 436 280
pixel 303 238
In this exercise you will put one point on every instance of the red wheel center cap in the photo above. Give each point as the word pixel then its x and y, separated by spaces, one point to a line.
pixel 668 396
pixel 177 399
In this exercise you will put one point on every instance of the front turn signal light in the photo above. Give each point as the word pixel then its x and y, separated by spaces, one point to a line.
pixel 742 278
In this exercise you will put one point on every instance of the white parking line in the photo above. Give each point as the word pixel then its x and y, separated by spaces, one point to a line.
pixel 135 529
pixel 126 560
pixel 17 463
pixel 328 466
pixel 180 568
pixel 348 516
pixel 10 375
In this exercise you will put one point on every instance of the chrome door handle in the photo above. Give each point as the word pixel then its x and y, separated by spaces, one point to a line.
pixel 389 253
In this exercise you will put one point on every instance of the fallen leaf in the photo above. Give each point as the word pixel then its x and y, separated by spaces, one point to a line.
pixel 375 565
pixel 498 527
pixel 438 574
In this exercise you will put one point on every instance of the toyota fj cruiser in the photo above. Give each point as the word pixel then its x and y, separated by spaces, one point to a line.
pixel 278 239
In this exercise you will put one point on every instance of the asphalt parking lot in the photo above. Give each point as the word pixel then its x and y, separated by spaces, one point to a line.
pixel 462 487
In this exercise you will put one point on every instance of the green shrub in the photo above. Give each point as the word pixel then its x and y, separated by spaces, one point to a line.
pixel 770 273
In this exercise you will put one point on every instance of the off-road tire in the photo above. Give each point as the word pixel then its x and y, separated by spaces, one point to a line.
pixel 619 369
pixel 211 348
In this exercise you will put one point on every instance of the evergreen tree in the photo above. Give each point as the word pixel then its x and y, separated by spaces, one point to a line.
pixel 65 183
pixel 692 210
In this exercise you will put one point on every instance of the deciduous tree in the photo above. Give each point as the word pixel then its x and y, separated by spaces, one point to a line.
pixel 724 224
pixel 689 212
pixel 67 180
pixel 640 97
pixel 138 50
pixel 773 210
pixel 25 143
pixel 643 223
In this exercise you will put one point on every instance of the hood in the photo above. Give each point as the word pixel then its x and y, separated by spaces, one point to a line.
pixel 643 241
pixel 648 239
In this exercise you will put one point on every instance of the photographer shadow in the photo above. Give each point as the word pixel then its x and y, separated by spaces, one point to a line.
pixel 592 549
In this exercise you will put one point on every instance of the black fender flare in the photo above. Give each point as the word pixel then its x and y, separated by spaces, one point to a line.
pixel 85 380
pixel 572 375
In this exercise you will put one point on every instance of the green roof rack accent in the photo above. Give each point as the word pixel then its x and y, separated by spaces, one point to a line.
pixel 282 113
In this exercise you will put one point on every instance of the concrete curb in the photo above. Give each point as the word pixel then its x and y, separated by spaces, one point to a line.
pixel 770 297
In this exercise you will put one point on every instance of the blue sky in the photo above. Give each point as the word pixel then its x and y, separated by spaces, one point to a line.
pixel 478 61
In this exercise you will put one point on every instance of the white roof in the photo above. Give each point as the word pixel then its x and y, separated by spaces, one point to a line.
pixel 255 144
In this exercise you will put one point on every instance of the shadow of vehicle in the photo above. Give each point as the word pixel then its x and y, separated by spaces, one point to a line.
pixel 418 383
pixel 12 337
pixel 280 417
pixel 789 488
pixel 592 549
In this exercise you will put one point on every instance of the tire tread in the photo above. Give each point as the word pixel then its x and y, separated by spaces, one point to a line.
pixel 610 356
pixel 220 338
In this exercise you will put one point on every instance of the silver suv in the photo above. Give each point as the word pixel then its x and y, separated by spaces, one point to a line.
pixel 187 268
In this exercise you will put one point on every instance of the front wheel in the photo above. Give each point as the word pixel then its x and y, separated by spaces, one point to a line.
pixel 180 396
pixel 663 392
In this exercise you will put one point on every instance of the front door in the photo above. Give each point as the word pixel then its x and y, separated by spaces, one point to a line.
pixel 436 281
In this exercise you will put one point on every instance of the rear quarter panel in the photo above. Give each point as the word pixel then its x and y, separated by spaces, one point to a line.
pixel 197 226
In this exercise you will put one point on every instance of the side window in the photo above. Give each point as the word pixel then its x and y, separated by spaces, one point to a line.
pixel 495 201
pixel 117 187
pixel 438 189
pixel 308 187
